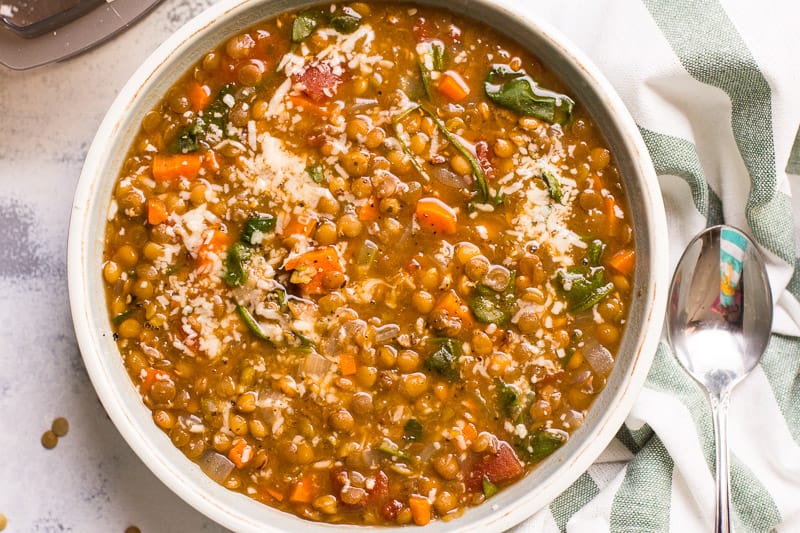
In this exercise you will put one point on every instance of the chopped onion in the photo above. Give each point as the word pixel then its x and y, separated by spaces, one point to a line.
pixel 216 466
pixel 448 178
pixel 315 364
pixel 598 357
pixel 387 332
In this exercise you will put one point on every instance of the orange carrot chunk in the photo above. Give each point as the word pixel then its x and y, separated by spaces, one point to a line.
pixel 156 211
pixel 173 167
pixel 152 375
pixel 347 364
pixel 623 261
pixel 199 96
pixel 311 267
pixel 307 105
pixel 241 453
pixel 215 246
pixel 369 211
pixel 454 306
pixel 420 509
pixel 304 490
pixel 436 216
pixel 299 224
pixel 453 86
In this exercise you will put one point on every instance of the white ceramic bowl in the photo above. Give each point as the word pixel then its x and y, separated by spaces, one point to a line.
pixel 238 512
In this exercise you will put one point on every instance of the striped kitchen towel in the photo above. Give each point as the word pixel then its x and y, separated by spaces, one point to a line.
pixel 715 89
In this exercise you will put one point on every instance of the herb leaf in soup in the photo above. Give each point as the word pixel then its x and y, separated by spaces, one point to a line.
pixel 489 488
pixel 188 140
pixel 251 323
pixel 493 307
pixel 412 430
pixel 304 25
pixel 553 185
pixel 538 445
pixel 444 361
pixel 346 21
pixel 257 224
pixel 517 91
pixel 507 398
pixel 315 173
pixel 584 287
pixel 235 276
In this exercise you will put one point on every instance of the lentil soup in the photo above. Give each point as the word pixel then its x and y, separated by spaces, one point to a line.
pixel 368 263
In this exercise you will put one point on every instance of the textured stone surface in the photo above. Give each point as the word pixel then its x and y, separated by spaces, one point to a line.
pixel 91 481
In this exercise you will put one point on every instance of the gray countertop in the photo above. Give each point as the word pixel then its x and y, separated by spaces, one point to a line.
pixel 92 481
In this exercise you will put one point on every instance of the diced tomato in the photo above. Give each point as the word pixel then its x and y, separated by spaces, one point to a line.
pixel 499 468
pixel 319 82
pixel 482 151
pixel 380 491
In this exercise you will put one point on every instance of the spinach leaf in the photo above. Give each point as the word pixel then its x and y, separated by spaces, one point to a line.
pixel 493 307
pixel 489 488
pixel 390 448
pixel 188 140
pixel 251 323
pixel 595 252
pixel 538 445
pixel 480 178
pixel 217 111
pixel 315 173
pixel 519 92
pixel 553 185
pixel 584 287
pixel 261 224
pixel 346 21
pixel 304 25
pixel 235 276
pixel 120 318
pixel 444 361
pixel 412 430
pixel 507 398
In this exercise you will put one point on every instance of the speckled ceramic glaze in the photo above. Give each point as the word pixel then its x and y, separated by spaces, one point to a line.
pixel 236 511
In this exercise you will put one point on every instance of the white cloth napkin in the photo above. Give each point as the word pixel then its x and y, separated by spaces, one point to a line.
pixel 715 90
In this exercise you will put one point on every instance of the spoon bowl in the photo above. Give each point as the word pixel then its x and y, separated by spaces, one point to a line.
pixel 718 324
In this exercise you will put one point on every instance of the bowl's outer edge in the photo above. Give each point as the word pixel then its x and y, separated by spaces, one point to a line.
pixel 238 512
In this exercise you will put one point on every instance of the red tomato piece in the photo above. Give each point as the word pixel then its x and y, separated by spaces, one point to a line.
pixel 319 82
pixel 482 151
pixel 499 468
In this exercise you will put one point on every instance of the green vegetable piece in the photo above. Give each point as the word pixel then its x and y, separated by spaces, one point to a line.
pixel 316 174
pixel 235 276
pixel 595 252
pixel 407 150
pixel 584 287
pixel 489 488
pixel 538 445
pixel 217 112
pixel 347 21
pixel 481 185
pixel 367 253
pixel 120 318
pixel 188 140
pixel 251 323
pixel 444 361
pixel 304 25
pixel 425 74
pixel 437 51
pixel 390 448
pixel 261 224
pixel 507 398
pixel 492 307
pixel 412 430
pixel 553 186
pixel 517 91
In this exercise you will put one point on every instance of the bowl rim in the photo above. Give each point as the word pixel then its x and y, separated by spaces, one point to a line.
pixel 208 499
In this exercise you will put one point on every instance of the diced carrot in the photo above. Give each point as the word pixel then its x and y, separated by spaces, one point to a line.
pixel 173 167
pixel 306 104
pixel 454 306
pixel 420 509
pixel 436 215
pixel 156 211
pixel 151 376
pixel 469 432
pixel 623 261
pixel 216 245
pixel 304 490
pixel 241 453
pixel 347 364
pixel 210 161
pixel 322 260
pixel 299 224
pixel 453 86
pixel 275 493
pixel 612 221
pixel 199 96
pixel 369 210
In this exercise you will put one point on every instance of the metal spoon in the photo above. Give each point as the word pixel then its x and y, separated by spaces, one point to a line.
pixel 718 323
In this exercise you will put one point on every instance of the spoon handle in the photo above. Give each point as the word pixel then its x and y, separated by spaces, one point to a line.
pixel 719 413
